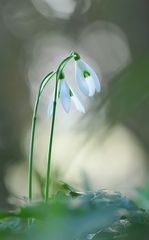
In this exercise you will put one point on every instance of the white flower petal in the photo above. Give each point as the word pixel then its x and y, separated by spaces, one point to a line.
pixel 77 102
pixel 50 107
pixel 83 86
pixel 94 76
pixel 91 85
pixel 81 64
pixel 65 96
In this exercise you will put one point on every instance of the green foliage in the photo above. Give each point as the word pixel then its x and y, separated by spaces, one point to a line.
pixel 70 215
pixel 143 196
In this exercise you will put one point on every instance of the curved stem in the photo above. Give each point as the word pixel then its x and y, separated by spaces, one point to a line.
pixel 34 118
pixel 51 141
pixel 59 70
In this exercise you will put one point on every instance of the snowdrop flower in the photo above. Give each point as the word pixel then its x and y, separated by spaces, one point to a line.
pixel 86 78
pixel 66 94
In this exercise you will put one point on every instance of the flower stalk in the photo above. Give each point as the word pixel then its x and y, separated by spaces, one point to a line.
pixel 51 142
pixel 34 120
pixel 58 74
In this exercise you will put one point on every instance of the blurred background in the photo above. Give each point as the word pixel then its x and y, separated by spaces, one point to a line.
pixel 108 147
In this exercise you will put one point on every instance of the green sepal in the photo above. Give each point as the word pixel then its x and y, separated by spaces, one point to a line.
pixel 61 75
pixel 76 56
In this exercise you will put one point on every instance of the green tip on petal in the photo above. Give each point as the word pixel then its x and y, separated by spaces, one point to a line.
pixel 86 74
pixel 70 92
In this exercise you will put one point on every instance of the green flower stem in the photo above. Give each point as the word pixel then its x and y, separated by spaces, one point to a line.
pixel 34 118
pixel 58 72
pixel 51 141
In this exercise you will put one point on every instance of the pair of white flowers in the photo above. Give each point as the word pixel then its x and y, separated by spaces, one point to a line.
pixel 87 81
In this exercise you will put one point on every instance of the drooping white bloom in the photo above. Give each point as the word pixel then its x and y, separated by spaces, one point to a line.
pixel 77 103
pixel 86 78
pixel 50 107
pixel 66 94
